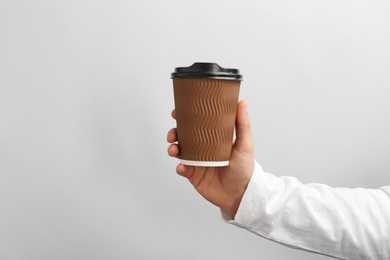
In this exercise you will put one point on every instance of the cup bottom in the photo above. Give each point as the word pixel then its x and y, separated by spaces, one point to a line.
pixel 205 163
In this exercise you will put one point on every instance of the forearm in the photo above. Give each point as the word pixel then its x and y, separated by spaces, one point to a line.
pixel 339 222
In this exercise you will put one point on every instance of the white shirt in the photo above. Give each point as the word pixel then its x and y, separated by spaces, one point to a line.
pixel 338 222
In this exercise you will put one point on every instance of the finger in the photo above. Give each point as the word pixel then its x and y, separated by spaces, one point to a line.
pixel 173 150
pixel 243 124
pixel 173 114
pixel 172 135
pixel 185 171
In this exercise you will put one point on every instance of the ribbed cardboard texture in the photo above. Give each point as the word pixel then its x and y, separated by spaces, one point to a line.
pixel 205 117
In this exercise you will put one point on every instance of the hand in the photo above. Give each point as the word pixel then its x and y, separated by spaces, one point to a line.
pixel 222 186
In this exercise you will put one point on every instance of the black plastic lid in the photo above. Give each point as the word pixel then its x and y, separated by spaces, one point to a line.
pixel 206 70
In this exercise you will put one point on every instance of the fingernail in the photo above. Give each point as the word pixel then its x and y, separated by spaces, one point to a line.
pixel 245 103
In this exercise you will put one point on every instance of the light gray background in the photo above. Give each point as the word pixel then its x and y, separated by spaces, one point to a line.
pixel 85 104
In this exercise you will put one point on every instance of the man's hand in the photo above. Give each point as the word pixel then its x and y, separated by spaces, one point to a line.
pixel 222 186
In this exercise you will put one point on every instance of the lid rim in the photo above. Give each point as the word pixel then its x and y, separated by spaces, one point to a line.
pixel 206 76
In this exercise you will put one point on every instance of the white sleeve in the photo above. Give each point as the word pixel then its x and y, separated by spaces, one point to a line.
pixel 338 222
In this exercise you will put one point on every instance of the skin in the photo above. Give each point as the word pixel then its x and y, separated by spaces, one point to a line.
pixel 222 186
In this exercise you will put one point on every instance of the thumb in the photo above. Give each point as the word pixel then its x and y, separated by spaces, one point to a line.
pixel 243 125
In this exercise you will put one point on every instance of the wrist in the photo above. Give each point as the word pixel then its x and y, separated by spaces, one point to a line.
pixel 236 201
pixel 238 193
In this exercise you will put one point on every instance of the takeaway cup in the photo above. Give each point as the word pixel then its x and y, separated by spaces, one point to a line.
pixel 206 97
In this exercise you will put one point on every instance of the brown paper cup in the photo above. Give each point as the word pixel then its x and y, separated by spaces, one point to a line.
pixel 205 117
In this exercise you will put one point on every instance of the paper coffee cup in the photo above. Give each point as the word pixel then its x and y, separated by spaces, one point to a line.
pixel 206 97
